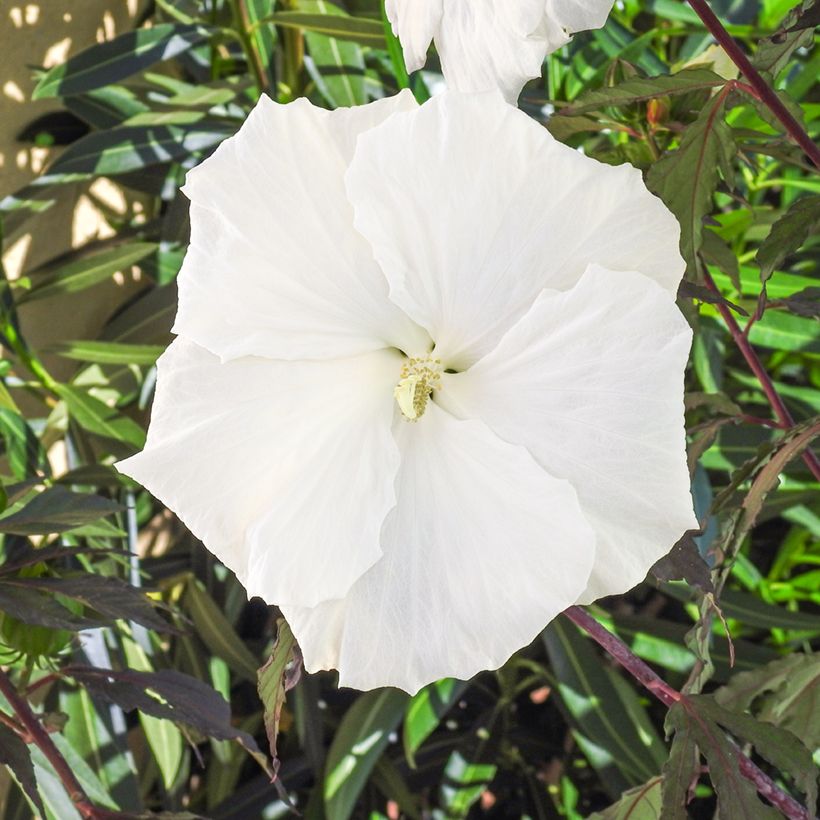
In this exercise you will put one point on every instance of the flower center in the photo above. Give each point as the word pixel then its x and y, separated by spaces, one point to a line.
pixel 419 377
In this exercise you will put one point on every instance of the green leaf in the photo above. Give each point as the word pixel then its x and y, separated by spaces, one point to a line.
pixel 641 89
pixel 796 31
pixel 794 227
pixel 737 797
pixel 106 107
pixel 88 271
pixel 425 711
pixel 25 454
pixel 112 597
pixel 164 739
pixel 108 352
pixel 361 738
pixel 680 772
pixel 600 710
pixel 102 746
pixel 641 803
pixel 97 417
pixel 783 692
pixel 216 631
pixel 751 611
pixel 35 609
pixel 57 509
pixel 686 179
pixel 130 148
pixel 273 682
pixel 263 35
pixel 775 744
pixel 339 65
pixel 15 754
pixel 118 58
pixel 330 23
pixel 169 695
pixel 464 783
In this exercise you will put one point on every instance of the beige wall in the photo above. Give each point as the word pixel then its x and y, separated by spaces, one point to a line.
pixel 44 33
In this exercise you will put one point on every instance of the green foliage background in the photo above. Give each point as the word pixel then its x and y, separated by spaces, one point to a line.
pixel 176 724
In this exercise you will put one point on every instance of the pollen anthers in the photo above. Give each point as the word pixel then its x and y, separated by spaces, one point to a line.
pixel 419 377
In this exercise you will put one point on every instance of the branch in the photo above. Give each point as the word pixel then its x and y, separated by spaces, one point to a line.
pixel 35 733
pixel 761 88
pixel 639 670
pixel 784 417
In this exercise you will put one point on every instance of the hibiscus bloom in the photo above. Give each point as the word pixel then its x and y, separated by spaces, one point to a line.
pixel 489 44
pixel 427 389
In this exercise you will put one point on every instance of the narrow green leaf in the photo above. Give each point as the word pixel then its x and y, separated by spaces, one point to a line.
pixel 425 711
pixel 118 58
pixel 108 352
pixel 361 30
pixel 130 148
pixel 88 271
pixel 217 633
pixel 164 739
pixel 361 738
pixel 14 754
pixel 339 65
pixel 24 451
pixel 590 698
pixel 96 417
pixel 464 783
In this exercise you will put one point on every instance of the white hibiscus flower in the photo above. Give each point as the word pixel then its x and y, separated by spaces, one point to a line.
pixel 489 44
pixel 427 389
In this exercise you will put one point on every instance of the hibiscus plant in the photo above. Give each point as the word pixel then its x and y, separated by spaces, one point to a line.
pixel 446 448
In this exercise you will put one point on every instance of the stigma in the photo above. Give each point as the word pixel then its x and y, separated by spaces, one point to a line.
pixel 418 378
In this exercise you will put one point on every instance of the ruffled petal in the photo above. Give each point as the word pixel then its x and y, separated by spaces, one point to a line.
pixel 472 209
pixel 486 44
pixel 578 15
pixel 590 381
pixel 482 549
pixel 489 45
pixel 285 470
pixel 414 22
pixel 275 267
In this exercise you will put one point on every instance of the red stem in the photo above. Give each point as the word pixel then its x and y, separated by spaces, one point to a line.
pixel 762 89
pixel 784 417
pixel 35 733
pixel 639 670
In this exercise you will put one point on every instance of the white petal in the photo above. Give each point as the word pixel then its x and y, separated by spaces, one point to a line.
pixel 578 15
pixel 285 470
pixel 414 22
pixel 275 267
pixel 490 44
pixel 472 209
pixel 591 382
pixel 482 549
pixel 487 44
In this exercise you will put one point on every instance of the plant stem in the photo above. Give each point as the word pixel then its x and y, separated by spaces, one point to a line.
pixel 762 89
pixel 244 25
pixel 35 733
pixel 784 417
pixel 639 670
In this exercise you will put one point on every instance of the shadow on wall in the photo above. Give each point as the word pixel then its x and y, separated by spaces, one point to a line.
pixel 44 33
